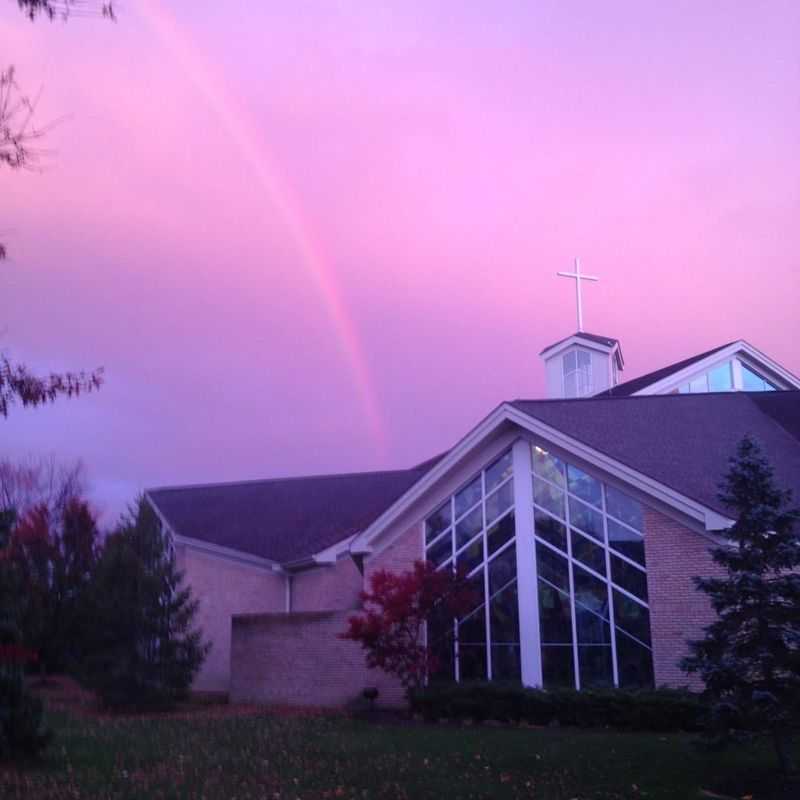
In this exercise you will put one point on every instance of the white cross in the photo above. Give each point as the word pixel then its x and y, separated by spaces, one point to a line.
pixel 578 278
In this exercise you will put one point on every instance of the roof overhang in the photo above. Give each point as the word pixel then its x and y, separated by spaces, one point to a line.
pixel 705 518
pixel 741 349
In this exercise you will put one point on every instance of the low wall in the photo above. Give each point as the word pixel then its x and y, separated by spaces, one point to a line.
pixel 298 659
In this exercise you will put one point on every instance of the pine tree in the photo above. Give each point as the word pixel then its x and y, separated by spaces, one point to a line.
pixel 146 650
pixel 749 659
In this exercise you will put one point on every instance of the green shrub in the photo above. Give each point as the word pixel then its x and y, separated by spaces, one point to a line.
pixel 654 709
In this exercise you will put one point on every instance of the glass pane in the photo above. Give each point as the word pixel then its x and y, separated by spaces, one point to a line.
pixel 468 496
pixel 584 359
pixel 629 577
pixel 500 533
pixel 586 518
pixel 548 466
pixel 624 508
pixel 584 485
pixel 552 567
pixel 504 616
pixel 441 551
pixel 472 663
pixel 634 664
pixel 499 501
pixel 555 618
pixel 469 526
pixel 698 385
pixel 595 665
pixel 589 628
pixel 549 498
pixel 506 663
pixel 437 522
pixel 471 556
pixel 477 591
pixel 570 362
pixel 590 592
pixel 753 382
pixel 631 617
pixel 441 645
pixel 720 378
pixel 558 667
pixel 589 553
pixel 625 541
pixel 472 630
pixel 496 473
pixel 551 530
pixel 502 569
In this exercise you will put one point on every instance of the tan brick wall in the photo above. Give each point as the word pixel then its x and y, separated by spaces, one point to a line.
pixel 224 587
pixel 399 556
pixel 298 659
pixel 327 588
pixel 678 612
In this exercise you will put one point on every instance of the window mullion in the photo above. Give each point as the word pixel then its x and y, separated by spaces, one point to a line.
pixel 575 659
pixel 614 668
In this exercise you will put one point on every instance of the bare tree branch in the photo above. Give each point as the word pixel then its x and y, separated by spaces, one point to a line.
pixel 63 9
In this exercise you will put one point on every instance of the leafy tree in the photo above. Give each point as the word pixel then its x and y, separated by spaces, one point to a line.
pixel 47 567
pixel 750 656
pixel 396 610
pixel 145 649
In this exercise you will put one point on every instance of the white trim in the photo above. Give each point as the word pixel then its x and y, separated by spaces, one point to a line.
pixel 527 572
pixel 761 362
pixel 228 554
pixel 506 413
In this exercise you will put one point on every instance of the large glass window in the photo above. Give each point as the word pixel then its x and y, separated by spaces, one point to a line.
pixel 593 608
pixel 577 367
pixel 721 379
pixel 475 531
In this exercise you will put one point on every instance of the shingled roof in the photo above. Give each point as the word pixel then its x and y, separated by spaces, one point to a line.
pixel 283 519
pixel 643 381
pixel 606 341
pixel 684 441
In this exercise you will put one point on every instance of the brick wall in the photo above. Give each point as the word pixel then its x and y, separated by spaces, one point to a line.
pixel 327 588
pixel 224 587
pixel 297 659
pixel 678 611
pixel 399 556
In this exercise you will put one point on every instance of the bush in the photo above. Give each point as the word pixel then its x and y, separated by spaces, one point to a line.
pixel 22 730
pixel 653 709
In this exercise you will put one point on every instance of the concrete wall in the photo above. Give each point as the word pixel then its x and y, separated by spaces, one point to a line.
pixel 225 587
pixel 327 588
pixel 678 611
pixel 298 659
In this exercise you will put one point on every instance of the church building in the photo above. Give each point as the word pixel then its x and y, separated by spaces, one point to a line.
pixel 581 519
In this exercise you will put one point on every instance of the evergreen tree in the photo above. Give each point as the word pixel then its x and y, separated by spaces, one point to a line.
pixel 146 651
pixel 749 659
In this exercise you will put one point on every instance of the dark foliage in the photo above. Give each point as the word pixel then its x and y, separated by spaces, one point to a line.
pixel 750 657
pixel 22 730
pixel 655 709
pixel 19 384
pixel 145 651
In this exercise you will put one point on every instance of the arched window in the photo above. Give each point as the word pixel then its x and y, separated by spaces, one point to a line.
pixel 577 373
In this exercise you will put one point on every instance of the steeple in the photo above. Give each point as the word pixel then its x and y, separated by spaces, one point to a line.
pixel 582 365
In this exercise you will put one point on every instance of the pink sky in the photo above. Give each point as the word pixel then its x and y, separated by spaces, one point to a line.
pixel 312 237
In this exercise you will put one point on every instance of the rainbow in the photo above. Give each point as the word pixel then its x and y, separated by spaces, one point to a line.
pixel 251 147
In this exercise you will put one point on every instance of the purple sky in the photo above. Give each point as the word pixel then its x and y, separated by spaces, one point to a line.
pixel 306 239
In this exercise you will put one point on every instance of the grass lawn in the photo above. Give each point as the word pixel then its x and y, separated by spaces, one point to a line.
pixel 207 755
